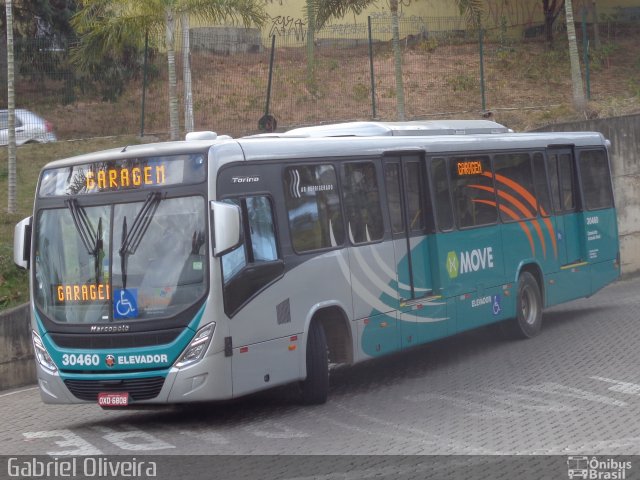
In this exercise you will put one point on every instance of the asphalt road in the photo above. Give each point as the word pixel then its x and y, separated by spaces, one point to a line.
pixel 573 390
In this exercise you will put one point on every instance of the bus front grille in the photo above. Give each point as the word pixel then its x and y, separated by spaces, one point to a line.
pixel 138 389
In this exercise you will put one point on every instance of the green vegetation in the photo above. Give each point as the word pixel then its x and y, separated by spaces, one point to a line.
pixel 14 288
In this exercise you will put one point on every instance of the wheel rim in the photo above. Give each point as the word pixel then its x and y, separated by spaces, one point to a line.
pixel 529 305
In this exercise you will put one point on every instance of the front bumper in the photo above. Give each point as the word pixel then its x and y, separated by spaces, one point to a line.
pixel 209 379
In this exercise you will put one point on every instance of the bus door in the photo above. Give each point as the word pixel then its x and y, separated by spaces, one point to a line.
pixel 411 220
pixel 371 259
pixel 564 193
pixel 573 278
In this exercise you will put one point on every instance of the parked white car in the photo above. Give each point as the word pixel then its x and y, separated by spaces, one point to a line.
pixel 29 128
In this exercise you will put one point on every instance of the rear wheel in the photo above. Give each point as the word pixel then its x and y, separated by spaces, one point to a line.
pixel 528 321
pixel 315 388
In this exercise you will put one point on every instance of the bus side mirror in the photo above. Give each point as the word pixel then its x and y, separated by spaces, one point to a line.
pixel 22 243
pixel 226 227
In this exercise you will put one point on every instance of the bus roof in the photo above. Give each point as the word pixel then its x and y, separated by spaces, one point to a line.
pixel 413 128
pixel 256 149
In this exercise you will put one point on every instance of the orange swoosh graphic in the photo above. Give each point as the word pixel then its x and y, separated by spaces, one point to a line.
pixel 522 207
pixel 515 216
pixel 532 201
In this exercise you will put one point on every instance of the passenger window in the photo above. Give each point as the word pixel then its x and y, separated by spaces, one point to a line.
pixel 542 188
pixel 313 207
pixel 561 176
pixel 596 179
pixel 259 241
pixel 362 202
pixel 473 191
pixel 554 181
pixel 261 230
pixel 514 185
pixel 258 250
pixel 565 168
pixel 418 213
pixel 442 197
pixel 394 199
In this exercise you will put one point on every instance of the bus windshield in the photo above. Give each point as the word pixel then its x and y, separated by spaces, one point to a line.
pixel 130 261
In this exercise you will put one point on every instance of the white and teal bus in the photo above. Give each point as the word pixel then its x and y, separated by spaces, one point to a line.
pixel 214 267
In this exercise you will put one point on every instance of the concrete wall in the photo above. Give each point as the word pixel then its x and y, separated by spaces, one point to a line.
pixel 17 366
pixel 226 40
pixel 624 134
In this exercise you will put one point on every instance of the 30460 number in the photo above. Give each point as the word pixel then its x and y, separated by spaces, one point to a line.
pixel 88 359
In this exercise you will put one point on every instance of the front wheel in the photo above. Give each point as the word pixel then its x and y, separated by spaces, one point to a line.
pixel 528 321
pixel 315 388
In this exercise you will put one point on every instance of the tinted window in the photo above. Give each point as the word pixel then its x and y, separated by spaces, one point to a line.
pixel 441 194
pixel 596 179
pixel 542 188
pixel 394 200
pixel 262 235
pixel 565 169
pixel 554 181
pixel 473 194
pixel 514 183
pixel 258 251
pixel 260 243
pixel 362 202
pixel 418 213
pixel 313 207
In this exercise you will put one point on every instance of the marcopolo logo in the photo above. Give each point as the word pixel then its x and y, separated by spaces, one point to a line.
pixel 469 261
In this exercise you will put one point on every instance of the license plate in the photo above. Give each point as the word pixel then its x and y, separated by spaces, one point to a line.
pixel 113 399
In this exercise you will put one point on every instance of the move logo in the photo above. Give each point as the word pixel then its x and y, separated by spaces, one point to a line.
pixel 469 261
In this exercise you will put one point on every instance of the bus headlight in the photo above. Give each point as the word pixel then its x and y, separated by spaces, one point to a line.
pixel 198 346
pixel 43 357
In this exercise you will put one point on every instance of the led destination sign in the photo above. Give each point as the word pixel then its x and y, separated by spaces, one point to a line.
pixel 124 178
pixel 123 175
pixel 82 292
pixel 470 167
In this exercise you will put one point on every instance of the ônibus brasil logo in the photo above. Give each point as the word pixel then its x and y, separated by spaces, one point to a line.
pixel 469 261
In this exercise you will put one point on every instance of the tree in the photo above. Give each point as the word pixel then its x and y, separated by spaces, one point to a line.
pixel 397 59
pixel 551 9
pixel 576 74
pixel 103 25
pixel 12 164
pixel 48 19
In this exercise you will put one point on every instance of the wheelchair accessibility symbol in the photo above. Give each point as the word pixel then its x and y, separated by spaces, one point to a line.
pixel 126 303
pixel 496 305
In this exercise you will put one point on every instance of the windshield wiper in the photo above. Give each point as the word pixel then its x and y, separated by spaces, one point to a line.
pixel 131 238
pixel 91 238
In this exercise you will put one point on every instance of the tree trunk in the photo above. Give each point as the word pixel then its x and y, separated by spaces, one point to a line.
pixel 397 55
pixel 174 123
pixel 576 74
pixel 548 21
pixel 186 75
pixel 596 27
pixel 11 101
pixel 311 33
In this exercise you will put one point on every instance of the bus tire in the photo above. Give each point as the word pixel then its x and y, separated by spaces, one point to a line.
pixel 528 321
pixel 315 388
